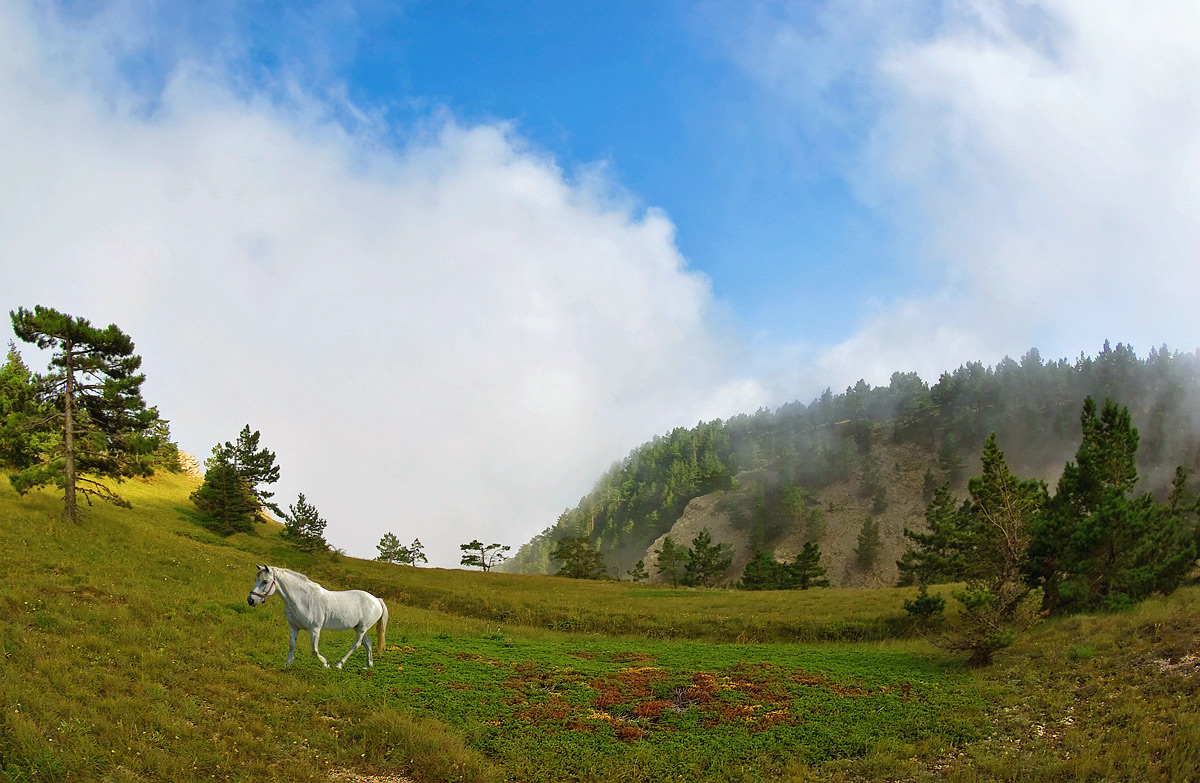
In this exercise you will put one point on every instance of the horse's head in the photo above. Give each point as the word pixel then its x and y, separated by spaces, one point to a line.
pixel 264 585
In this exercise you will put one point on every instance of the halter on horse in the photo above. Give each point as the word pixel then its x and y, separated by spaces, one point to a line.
pixel 309 606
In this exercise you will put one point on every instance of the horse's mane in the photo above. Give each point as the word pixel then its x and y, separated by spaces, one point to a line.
pixel 296 574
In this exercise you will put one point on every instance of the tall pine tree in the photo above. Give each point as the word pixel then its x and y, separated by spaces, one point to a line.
pixel 91 400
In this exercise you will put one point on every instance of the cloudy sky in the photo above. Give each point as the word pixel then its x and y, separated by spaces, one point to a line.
pixel 453 259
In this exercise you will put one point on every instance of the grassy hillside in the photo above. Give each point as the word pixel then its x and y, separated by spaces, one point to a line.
pixel 129 653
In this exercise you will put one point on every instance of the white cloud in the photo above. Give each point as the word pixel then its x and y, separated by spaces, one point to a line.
pixel 1045 155
pixel 450 340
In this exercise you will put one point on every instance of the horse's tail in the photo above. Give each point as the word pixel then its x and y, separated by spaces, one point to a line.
pixel 381 626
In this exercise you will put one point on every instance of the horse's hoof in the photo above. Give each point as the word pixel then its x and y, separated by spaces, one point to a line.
pixel 339 666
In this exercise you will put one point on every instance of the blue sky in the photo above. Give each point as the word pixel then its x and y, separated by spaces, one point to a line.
pixel 473 253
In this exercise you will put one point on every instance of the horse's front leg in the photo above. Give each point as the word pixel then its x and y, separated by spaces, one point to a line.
pixel 315 635
pixel 360 635
pixel 292 646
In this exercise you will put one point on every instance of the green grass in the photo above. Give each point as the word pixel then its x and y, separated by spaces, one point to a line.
pixel 129 653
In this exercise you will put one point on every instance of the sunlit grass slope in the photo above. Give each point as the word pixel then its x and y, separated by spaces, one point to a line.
pixel 129 653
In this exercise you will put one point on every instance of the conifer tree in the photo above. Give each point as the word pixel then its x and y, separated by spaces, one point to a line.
pixel 91 400
pixel 304 526
pixel 638 572
pixel 762 572
pixel 672 561
pixel 997 604
pixel 706 561
pixel 224 500
pixel 390 550
pixel 1096 545
pixel 414 552
pixel 578 558
pixel 868 544
pixel 941 554
pixel 486 557
pixel 806 571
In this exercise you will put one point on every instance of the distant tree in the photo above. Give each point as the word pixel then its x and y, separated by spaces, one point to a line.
pixel 578 558
pixel 91 400
pixel 21 442
pixel 761 573
pixel 255 464
pixel 672 561
pixel 304 526
pixel 706 561
pixel 414 552
pixel 231 498
pixel 477 555
pixel 941 554
pixel 223 498
pixel 390 550
pixel 638 572
pixel 806 571
pixel 869 543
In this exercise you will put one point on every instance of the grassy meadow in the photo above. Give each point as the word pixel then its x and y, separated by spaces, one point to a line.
pixel 129 653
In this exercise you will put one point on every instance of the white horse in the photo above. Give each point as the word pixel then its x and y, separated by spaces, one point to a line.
pixel 309 606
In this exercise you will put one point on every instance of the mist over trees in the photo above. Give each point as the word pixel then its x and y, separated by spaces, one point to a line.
pixel 770 463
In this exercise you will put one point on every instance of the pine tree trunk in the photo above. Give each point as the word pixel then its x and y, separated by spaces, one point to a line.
pixel 70 508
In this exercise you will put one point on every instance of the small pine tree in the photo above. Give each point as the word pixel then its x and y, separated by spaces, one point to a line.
pixel 414 552
pixel 390 550
pixel 869 543
pixel 477 555
pixel 672 561
pixel 806 571
pixel 304 526
pixel 706 561
pixel 579 559
pixel 638 572
pixel 223 499
pixel 762 572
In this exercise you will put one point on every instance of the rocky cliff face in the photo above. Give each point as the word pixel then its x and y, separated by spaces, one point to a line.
pixel 844 508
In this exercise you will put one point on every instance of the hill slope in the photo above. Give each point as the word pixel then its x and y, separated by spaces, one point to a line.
pixel 818 471
pixel 129 653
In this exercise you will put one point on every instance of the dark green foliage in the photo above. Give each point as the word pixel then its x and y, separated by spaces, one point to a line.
pixel 805 571
pixel 762 572
pixel 706 561
pixel 869 542
pixel 941 554
pixel 672 561
pixel 20 443
pixel 925 609
pixel 486 557
pixel 638 572
pixel 231 497
pixel 87 420
pixel 996 604
pixel 578 558
pixel 224 499
pixel 1096 545
pixel 253 463
pixel 304 527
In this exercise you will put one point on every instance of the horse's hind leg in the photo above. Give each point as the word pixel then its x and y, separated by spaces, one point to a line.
pixel 360 633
